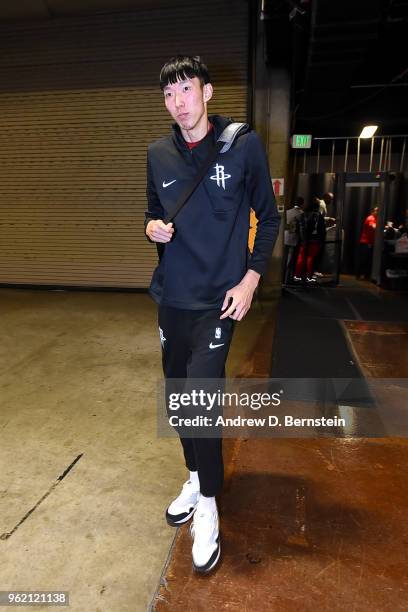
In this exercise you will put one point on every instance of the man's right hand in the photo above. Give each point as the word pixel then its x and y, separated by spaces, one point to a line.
pixel 158 231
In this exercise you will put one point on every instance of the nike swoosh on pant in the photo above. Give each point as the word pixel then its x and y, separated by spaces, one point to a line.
pixel 167 184
pixel 213 346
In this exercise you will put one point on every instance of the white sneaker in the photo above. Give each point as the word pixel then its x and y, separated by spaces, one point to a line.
pixel 183 507
pixel 206 548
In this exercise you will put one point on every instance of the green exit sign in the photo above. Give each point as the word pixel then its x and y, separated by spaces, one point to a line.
pixel 301 141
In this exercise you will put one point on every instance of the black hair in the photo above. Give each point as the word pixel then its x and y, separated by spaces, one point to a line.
pixel 182 67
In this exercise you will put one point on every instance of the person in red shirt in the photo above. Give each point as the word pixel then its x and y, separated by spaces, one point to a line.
pixel 366 244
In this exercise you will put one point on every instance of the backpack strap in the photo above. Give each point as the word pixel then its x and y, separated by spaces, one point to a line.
pixel 229 134
pixel 223 144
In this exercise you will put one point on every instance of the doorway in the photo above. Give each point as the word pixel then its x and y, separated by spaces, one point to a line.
pixel 357 194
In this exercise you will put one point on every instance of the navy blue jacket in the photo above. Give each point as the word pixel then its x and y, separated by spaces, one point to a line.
pixel 208 253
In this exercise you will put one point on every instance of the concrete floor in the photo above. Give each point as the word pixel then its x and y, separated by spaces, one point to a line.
pixel 78 377
pixel 78 381
pixel 84 480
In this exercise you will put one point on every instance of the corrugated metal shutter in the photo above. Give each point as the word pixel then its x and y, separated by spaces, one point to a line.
pixel 79 103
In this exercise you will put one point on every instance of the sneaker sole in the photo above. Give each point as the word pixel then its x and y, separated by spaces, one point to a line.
pixel 211 563
pixel 177 523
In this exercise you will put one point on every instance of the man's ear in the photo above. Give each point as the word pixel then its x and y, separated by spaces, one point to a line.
pixel 208 92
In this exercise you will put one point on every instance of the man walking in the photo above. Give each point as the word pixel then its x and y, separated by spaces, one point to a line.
pixel 205 279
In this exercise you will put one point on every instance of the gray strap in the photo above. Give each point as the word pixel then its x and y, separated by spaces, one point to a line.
pixel 229 134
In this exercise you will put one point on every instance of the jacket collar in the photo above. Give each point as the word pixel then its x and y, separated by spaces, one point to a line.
pixel 219 122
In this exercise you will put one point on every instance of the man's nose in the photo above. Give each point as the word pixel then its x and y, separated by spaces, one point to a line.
pixel 179 100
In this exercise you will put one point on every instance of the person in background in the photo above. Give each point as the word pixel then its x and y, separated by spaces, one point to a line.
pixel 291 237
pixel 325 208
pixel 325 203
pixel 328 258
pixel 391 232
pixel 312 230
pixel 366 244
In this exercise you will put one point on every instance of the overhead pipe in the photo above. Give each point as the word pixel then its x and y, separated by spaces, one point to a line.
pixel 385 154
pixel 371 154
pixel 402 155
pixel 358 156
pixel 346 155
pixel 389 154
pixel 381 155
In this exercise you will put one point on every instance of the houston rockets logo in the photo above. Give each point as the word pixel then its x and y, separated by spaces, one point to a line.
pixel 220 176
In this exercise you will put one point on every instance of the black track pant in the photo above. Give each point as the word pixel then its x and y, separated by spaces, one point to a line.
pixel 195 344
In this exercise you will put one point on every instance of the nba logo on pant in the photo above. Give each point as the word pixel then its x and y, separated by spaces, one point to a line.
pixel 162 338
pixel 217 333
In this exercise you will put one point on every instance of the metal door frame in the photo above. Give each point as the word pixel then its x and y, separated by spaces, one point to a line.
pixel 363 179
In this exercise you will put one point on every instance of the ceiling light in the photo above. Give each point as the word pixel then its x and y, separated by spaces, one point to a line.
pixel 368 131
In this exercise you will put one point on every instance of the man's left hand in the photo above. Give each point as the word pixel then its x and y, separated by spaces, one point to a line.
pixel 241 295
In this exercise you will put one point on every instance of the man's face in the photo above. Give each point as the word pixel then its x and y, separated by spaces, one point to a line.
pixel 186 101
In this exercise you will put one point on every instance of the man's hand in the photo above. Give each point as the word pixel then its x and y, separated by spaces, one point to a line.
pixel 241 295
pixel 158 231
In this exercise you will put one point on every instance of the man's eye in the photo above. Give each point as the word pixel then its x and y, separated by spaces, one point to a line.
pixel 167 94
pixel 186 87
